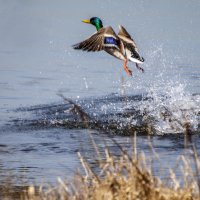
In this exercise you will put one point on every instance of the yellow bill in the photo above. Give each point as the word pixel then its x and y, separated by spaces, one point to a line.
pixel 86 21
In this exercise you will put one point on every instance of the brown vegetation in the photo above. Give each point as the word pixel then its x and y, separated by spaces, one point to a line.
pixel 123 177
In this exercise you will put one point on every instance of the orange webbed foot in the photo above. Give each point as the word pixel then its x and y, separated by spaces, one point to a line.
pixel 128 71
pixel 140 68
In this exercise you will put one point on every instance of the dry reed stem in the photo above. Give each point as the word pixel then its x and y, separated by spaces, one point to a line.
pixel 123 177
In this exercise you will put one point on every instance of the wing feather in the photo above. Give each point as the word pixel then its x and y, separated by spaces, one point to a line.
pixel 129 44
pixel 125 36
pixel 96 41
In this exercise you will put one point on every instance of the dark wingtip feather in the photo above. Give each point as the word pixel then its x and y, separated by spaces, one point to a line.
pixel 75 46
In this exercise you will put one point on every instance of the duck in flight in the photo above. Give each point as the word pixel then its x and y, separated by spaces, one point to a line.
pixel 121 46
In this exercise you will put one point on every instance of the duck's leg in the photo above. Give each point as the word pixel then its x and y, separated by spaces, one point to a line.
pixel 128 71
pixel 138 67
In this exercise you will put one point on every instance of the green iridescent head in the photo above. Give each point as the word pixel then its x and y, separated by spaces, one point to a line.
pixel 94 21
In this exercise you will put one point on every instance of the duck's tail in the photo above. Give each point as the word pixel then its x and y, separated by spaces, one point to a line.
pixel 136 59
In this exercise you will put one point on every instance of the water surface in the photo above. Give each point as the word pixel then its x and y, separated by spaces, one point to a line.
pixel 37 62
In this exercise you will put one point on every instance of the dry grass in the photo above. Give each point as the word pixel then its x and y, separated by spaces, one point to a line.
pixel 123 177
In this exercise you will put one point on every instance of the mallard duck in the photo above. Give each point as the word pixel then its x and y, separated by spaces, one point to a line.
pixel 120 46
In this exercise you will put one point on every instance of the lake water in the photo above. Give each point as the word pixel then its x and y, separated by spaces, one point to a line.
pixel 37 62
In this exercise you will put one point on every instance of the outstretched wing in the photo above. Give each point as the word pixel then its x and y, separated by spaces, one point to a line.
pixel 105 37
pixel 129 44
pixel 125 36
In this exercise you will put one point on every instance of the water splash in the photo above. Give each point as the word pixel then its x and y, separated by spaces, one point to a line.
pixel 170 108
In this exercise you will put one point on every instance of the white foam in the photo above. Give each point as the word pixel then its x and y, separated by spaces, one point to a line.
pixel 171 108
pixel 170 105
